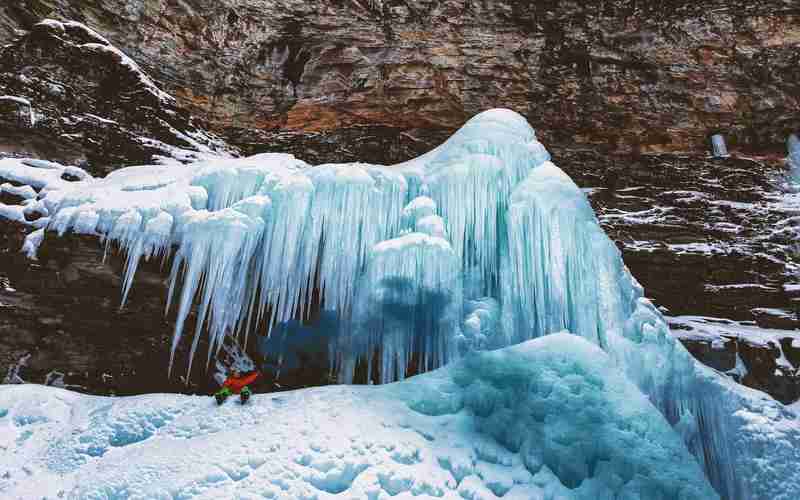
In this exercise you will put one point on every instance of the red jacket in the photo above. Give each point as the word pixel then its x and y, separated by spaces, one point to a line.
pixel 237 384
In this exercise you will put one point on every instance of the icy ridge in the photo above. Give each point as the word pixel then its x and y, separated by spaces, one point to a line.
pixel 96 42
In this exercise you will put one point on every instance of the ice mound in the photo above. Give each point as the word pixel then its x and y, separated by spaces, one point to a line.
pixel 551 418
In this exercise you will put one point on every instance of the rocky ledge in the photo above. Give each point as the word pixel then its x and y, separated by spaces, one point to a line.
pixel 620 76
pixel 61 324
pixel 74 97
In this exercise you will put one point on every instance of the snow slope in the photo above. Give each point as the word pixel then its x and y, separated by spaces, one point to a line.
pixel 553 418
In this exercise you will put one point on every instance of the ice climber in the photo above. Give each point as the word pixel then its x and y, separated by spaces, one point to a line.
pixel 236 383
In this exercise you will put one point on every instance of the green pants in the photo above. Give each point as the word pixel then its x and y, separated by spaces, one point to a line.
pixel 224 393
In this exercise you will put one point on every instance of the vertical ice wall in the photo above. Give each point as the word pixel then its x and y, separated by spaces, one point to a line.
pixel 407 310
pixel 550 279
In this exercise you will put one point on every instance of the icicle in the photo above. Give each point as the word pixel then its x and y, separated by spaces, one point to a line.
pixel 154 241
pixel 546 284
pixel 216 247
pixel 719 147
pixel 409 303
pixel 793 145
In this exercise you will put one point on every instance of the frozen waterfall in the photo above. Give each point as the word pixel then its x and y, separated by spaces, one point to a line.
pixel 481 243
pixel 793 145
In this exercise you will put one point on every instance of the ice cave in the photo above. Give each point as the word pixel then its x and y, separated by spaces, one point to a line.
pixel 545 373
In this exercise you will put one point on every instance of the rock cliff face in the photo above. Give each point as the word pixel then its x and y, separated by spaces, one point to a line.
pixel 326 77
pixel 73 96
pixel 624 93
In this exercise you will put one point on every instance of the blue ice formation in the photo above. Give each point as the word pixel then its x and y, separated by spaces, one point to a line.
pixel 793 145
pixel 480 244
pixel 718 146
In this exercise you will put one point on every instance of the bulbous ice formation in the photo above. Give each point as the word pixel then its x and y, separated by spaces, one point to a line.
pixel 409 304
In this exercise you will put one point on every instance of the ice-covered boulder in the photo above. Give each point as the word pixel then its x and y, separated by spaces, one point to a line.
pixel 551 418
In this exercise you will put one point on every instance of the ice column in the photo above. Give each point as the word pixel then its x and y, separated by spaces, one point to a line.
pixel 550 275
pixel 793 145
pixel 719 147
pixel 408 306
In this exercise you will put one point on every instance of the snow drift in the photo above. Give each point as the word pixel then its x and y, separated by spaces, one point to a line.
pixel 552 418
pixel 480 244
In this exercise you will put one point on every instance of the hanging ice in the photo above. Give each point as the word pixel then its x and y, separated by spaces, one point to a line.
pixel 480 243
pixel 720 150
pixel 552 279
pixel 409 304
pixel 793 145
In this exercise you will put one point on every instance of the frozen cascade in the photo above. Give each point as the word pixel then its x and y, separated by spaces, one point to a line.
pixel 570 274
pixel 793 145
pixel 497 241
pixel 547 285
pixel 409 302
pixel 216 252
pixel 354 207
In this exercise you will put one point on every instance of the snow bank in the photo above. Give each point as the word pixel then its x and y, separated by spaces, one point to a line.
pixel 38 174
pixel 552 418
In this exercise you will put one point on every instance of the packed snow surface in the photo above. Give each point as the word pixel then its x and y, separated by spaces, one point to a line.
pixel 553 418
pixel 480 244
